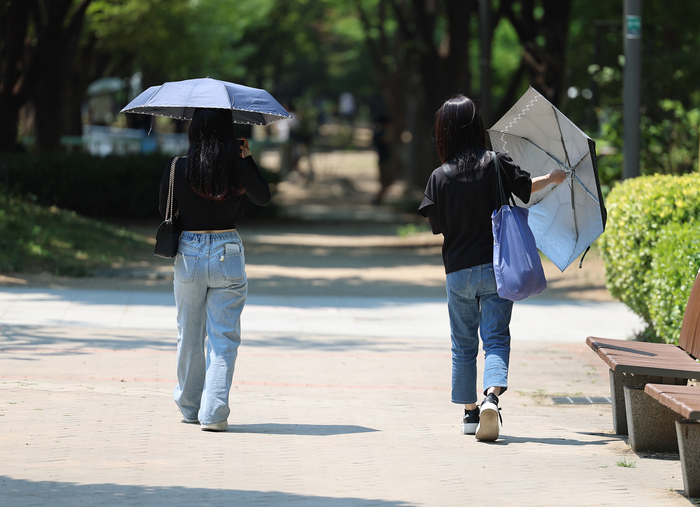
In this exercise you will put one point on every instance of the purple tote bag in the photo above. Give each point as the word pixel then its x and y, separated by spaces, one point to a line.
pixel 516 261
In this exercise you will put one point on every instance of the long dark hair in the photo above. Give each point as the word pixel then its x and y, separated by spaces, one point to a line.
pixel 460 133
pixel 213 156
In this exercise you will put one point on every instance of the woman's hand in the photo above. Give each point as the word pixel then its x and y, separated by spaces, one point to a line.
pixel 555 176
pixel 245 149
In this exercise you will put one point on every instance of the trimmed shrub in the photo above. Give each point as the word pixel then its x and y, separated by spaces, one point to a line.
pixel 109 187
pixel 116 186
pixel 674 265
pixel 638 210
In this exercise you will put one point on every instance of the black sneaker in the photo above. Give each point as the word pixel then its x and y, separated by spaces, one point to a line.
pixel 470 421
pixel 487 429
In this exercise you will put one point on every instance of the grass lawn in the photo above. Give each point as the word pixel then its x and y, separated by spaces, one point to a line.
pixel 35 238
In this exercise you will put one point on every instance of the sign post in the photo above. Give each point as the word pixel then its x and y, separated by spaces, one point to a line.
pixel 632 24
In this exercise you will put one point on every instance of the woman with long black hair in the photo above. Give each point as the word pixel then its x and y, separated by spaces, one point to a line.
pixel 210 280
pixel 473 304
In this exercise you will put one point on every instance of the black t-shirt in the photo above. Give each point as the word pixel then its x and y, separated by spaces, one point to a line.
pixel 468 236
pixel 200 214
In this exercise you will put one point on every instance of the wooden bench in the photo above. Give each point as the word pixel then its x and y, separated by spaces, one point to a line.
pixel 660 412
pixel 638 363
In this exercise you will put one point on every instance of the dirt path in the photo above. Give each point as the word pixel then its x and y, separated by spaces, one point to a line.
pixel 333 242
pixel 342 259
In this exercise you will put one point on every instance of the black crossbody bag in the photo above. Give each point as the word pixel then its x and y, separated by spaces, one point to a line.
pixel 168 235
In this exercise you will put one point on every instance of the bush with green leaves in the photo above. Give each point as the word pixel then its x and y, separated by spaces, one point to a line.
pixel 115 186
pixel 638 211
pixel 674 265
pixel 669 140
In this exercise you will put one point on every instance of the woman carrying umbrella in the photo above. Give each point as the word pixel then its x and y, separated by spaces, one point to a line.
pixel 210 279
pixel 473 304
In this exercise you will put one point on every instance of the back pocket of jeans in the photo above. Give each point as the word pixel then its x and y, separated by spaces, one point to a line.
pixel 185 266
pixel 459 281
pixel 233 267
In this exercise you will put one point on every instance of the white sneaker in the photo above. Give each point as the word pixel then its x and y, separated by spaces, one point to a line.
pixel 470 421
pixel 487 430
pixel 220 426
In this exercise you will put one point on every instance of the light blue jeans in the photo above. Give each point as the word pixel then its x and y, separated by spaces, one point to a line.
pixel 475 308
pixel 210 292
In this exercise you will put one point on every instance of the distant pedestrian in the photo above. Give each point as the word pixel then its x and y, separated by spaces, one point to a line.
pixel 210 280
pixel 474 306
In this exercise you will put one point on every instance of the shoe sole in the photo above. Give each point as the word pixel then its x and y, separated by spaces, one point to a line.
pixel 469 428
pixel 222 426
pixel 488 425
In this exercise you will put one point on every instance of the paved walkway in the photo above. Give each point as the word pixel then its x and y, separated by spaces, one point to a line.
pixel 338 401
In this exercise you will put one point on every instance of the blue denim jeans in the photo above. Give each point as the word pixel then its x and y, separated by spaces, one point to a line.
pixel 210 291
pixel 475 308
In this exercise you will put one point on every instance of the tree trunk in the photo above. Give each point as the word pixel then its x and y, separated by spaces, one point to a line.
pixel 544 63
pixel 9 115
pixel 36 68
pixel 13 89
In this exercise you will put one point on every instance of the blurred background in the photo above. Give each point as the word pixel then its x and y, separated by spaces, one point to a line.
pixel 362 78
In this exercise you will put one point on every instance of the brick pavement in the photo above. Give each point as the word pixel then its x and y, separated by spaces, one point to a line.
pixel 325 412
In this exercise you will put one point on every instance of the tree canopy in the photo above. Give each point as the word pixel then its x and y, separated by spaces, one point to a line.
pixel 401 58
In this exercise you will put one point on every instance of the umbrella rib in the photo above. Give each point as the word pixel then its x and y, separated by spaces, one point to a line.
pixel 549 191
pixel 559 162
pixel 561 136
pixel 573 212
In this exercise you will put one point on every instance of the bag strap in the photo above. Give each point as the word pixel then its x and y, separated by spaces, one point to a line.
pixel 465 193
pixel 171 192
pixel 501 190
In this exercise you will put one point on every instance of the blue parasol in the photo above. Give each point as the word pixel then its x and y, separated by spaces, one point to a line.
pixel 179 99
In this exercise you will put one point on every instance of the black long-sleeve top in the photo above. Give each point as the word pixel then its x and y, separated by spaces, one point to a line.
pixel 468 236
pixel 200 214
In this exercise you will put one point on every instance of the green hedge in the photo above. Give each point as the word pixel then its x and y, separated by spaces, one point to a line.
pixel 635 247
pixel 674 265
pixel 117 186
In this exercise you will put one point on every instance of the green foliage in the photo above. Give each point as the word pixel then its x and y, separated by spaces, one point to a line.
pixel 669 144
pixel 404 231
pixel 113 186
pixel 110 187
pixel 638 210
pixel 292 48
pixel 674 265
pixel 625 463
pixel 37 238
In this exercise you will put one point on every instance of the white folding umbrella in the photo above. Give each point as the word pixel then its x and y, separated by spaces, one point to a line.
pixel 567 218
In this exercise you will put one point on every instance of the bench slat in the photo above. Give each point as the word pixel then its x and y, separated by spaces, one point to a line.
pixel 690 329
pixel 684 400
pixel 642 358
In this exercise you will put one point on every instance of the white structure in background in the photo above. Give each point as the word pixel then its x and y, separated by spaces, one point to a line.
pixel 103 141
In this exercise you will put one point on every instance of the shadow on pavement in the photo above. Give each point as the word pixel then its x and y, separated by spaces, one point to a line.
pixel 81 341
pixel 508 439
pixel 299 429
pixel 17 492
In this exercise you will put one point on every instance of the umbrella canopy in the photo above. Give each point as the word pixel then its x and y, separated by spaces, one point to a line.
pixel 566 218
pixel 179 99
